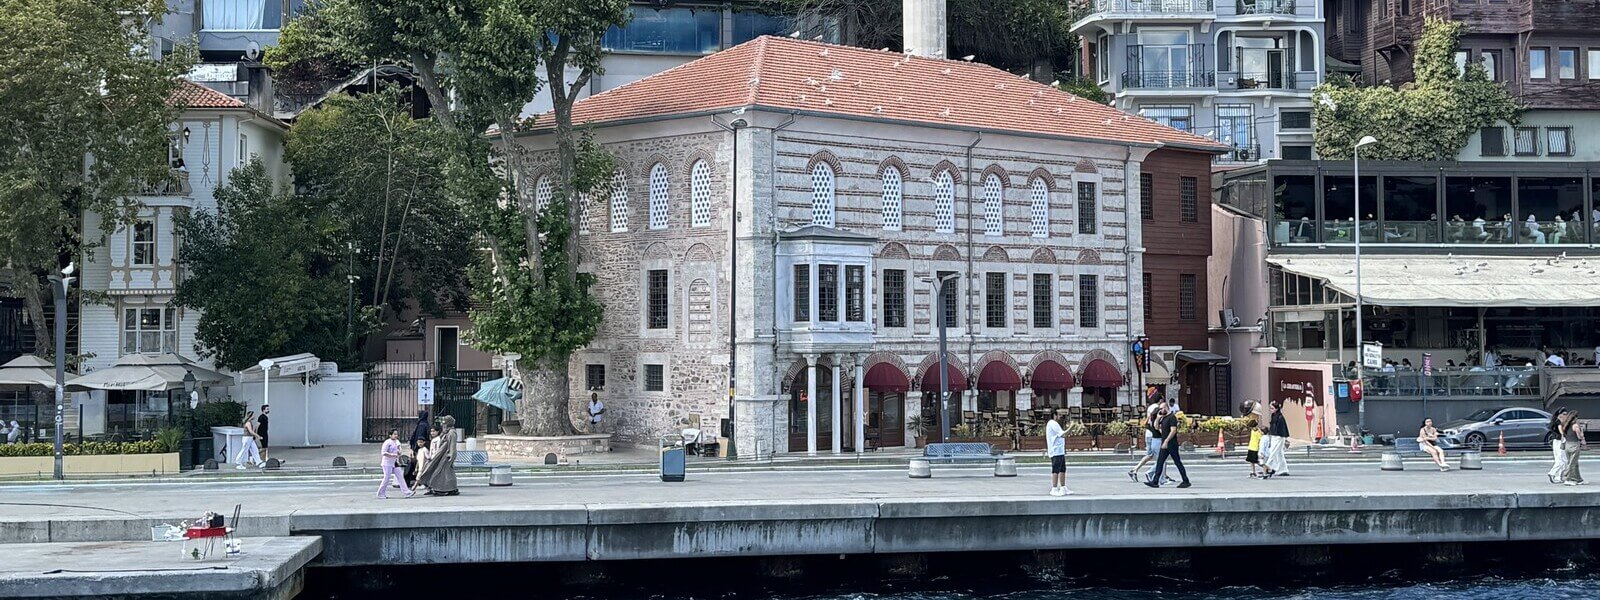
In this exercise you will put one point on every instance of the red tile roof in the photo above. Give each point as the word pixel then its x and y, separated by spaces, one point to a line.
pixel 189 94
pixel 790 74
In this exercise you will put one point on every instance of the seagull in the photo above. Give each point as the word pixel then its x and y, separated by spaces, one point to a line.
pixel 802 97
pixel 755 81
pixel 969 57
pixel 828 101
pixel 795 35
pixel 823 89
pixel 836 75
pixel 1055 83
pixel 945 114
pixel 824 52
pixel 738 111
pixel 877 109
pixel 999 86
pixel 1028 76
pixel 1030 102
pixel 811 81
pixel 818 38
pixel 946 71
pixel 1058 110
pixel 884 49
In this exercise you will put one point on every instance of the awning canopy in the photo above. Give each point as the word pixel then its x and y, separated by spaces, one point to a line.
pixel 1051 376
pixel 148 373
pixel 885 377
pixel 1486 281
pixel 999 377
pixel 954 379
pixel 1573 381
pixel 1099 373
pixel 29 371
pixel 1201 356
pixel 293 364
pixel 498 393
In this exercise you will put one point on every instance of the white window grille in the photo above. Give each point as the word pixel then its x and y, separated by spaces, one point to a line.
pixel 944 203
pixel 584 199
pixel 993 218
pixel 822 195
pixel 658 196
pixel 892 204
pixel 619 202
pixel 1040 209
pixel 543 191
pixel 700 194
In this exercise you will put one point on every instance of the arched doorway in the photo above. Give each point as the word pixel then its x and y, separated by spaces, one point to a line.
pixel 799 412
pixel 886 387
pixel 1101 379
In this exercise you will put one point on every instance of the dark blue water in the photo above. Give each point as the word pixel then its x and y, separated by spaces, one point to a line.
pixel 1486 588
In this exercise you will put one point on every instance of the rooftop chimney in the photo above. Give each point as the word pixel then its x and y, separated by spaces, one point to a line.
pixel 924 27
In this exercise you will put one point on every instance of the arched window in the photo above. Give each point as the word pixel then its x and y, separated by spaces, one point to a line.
pixel 700 194
pixel 658 196
pixel 822 195
pixel 944 203
pixel 993 223
pixel 619 202
pixel 1040 210
pixel 584 199
pixel 543 191
pixel 892 204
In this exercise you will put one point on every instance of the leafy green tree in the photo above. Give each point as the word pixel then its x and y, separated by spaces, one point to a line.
pixel 480 62
pixel 86 126
pixel 1022 35
pixel 1429 119
pixel 262 271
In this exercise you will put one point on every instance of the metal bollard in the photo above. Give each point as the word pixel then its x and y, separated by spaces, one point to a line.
pixel 1472 460
pixel 1392 462
pixel 920 469
pixel 500 475
pixel 1005 466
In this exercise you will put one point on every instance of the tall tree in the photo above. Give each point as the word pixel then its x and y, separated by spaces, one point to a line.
pixel 1024 35
pixel 86 126
pixel 480 62
pixel 1431 118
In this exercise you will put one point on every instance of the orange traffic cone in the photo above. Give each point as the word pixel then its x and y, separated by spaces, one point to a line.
pixel 1502 443
pixel 1222 445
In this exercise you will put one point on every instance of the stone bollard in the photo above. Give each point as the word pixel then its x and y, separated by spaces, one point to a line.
pixel 1005 466
pixel 1391 462
pixel 500 476
pixel 338 461
pixel 1472 460
pixel 211 464
pixel 920 469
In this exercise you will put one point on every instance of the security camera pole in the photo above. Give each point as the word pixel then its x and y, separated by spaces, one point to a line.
pixel 62 283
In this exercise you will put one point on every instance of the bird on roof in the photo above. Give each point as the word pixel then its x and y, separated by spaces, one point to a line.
pixel 1028 76
pixel 884 49
pixel 1055 83
pixel 818 38
pixel 755 81
pixel 946 71
pixel 945 114
pixel 877 109
pixel 824 52
pixel 836 75
pixel 795 35
pixel 969 57
pixel 811 81
pixel 999 86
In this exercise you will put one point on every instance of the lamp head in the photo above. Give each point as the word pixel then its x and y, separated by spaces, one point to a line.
pixel 71 267
pixel 1366 139
pixel 266 363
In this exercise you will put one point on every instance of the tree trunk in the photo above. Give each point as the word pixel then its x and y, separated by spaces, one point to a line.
pixel 27 286
pixel 544 409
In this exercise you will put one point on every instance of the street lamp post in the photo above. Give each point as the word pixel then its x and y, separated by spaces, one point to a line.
pixel 193 397
pixel 1361 407
pixel 944 357
pixel 59 286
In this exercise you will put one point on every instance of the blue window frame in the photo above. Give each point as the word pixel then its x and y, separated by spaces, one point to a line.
pixel 668 31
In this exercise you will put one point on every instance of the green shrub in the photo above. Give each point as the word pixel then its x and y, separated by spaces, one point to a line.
pixel 85 448
pixel 217 413
pixel 170 438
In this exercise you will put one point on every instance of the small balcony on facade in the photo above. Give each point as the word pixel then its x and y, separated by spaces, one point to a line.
pixel 1267 11
pixel 1104 11
pixel 1169 67
pixel 1264 7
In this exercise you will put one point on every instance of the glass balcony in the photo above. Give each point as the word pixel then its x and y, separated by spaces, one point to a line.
pixel 1469 382
pixel 1154 7
pixel 1264 7
pixel 1187 78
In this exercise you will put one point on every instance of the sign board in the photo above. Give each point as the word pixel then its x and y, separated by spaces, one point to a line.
pixel 425 392
pixel 1372 355
pixel 1427 364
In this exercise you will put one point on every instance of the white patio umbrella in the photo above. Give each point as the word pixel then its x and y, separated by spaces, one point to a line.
pixel 29 371
pixel 148 373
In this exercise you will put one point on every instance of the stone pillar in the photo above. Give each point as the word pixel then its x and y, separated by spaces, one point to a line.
pixel 924 27
pixel 837 405
pixel 811 404
pixel 861 405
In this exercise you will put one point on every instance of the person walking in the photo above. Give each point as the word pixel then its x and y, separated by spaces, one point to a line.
pixel 1276 441
pixel 419 433
pixel 391 467
pixel 419 460
pixel 250 452
pixel 1169 449
pixel 1252 453
pixel 1055 440
pixel 1572 441
pixel 1428 440
pixel 261 431
pixel 14 433
pixel 440 474
pixel 1152 434
pixel 1557 445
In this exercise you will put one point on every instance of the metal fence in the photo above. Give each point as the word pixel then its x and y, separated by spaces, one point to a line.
pixel 391 401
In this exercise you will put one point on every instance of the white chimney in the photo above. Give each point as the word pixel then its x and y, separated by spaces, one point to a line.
pixel 924 27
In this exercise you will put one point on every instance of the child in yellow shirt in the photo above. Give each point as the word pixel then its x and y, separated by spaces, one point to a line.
pixel 1253 455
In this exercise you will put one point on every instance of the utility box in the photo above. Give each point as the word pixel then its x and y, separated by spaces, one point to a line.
pixel 673 459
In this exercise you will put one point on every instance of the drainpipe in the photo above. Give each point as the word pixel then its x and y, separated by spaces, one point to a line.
pixel 972 339
pixel 1127 285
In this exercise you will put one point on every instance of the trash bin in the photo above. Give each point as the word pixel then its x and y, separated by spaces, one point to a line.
pixel 226 443
pixel 672 458
pixel 500 475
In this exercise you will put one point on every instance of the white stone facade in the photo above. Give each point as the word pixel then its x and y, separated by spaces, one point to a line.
pixel 771 168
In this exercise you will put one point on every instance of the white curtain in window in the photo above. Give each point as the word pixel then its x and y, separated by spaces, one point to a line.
pixel 233 14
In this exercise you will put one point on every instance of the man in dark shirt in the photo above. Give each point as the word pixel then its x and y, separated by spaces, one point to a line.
pixel 1169 448
pixel 261 430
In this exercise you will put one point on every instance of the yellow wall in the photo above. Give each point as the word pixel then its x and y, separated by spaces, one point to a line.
pixel 86 465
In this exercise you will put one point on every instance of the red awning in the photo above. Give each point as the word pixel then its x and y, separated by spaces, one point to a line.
pixel 956 381
pixel 1100 373
pixel 1051 376
pixel 885 377
pixel 999 377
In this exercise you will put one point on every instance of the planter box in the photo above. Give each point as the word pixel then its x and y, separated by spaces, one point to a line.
pixel 1033 442
pixel 123 464
pixel 1080 442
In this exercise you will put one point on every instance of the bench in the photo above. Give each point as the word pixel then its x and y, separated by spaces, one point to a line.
pixel 954 453
pixel 1393 460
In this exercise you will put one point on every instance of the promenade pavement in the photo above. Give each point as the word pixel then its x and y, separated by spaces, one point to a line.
pixel 1213 478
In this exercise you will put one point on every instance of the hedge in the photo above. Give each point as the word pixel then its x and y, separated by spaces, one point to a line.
pixel 86 448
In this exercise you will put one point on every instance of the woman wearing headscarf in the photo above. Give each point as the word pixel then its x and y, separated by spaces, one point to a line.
pixel 420 432
pixel 440 473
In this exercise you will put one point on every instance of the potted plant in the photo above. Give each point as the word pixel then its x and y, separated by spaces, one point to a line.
pixel 1077 436
pixel 1118 432
pixel 920 428
pixel 1031 436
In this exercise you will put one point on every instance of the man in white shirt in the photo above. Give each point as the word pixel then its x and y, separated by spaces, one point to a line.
pixel 596 409
pixel 1055 440
pixel 1554 359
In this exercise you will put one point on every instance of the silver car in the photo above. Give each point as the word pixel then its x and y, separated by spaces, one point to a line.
pixel 1522 428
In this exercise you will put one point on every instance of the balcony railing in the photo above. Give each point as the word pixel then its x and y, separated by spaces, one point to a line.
pixel 1258 81
pixel 1471 382
pixel 1264 7
pixel 1154 7
pixel 1169 79
pixel 175 184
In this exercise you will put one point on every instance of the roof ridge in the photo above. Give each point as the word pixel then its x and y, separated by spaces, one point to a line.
pixel 752 96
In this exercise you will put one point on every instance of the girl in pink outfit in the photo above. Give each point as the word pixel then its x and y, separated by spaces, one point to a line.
pixel 391 469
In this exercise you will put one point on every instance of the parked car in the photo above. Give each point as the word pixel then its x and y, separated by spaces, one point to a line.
pixel 1522 428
